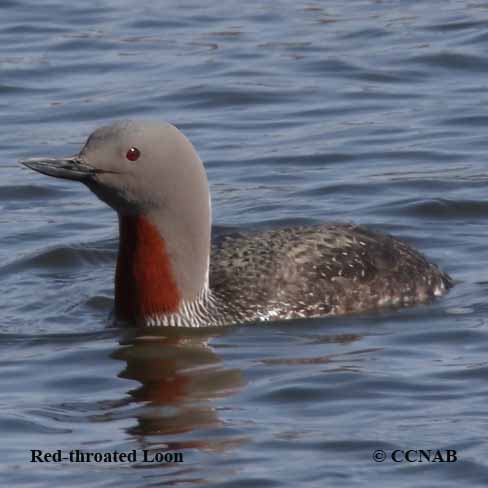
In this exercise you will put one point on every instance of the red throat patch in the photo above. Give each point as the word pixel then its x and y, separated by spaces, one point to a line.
pixel 144 283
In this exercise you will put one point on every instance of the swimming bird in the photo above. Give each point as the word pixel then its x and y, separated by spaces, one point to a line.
pixel 170 273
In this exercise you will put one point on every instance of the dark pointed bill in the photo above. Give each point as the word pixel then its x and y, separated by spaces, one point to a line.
pixel 71 168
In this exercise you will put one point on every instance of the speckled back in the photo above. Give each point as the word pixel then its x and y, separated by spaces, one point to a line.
pixel 318 270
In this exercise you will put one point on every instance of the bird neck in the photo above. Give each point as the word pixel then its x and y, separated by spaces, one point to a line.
pixel 144 279
pixel 156 272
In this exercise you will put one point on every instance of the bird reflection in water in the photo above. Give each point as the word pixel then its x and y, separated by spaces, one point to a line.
pixel 179 375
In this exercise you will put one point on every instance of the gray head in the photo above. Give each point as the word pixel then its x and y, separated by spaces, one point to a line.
pixel 149 169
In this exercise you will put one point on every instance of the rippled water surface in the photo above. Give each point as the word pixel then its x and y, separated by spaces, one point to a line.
pixel 364 111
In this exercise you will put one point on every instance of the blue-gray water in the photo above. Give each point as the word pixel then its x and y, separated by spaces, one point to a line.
pixel 364 111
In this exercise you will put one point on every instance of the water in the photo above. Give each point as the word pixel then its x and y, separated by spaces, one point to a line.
pixel 364 111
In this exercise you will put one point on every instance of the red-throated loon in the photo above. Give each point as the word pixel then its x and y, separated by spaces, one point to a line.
pixel 169 273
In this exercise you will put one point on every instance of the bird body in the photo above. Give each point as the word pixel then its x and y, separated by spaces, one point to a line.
pixel 169 272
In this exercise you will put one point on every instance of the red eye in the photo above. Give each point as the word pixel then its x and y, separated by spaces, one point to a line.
pixel 133 154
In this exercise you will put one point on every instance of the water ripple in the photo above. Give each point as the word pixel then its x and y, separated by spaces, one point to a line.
pixel 303 112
